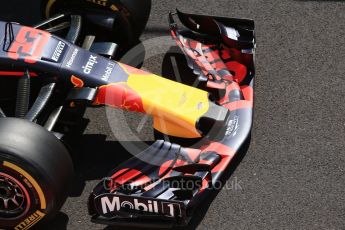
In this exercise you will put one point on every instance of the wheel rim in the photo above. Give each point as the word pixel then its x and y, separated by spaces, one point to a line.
pixel 14 198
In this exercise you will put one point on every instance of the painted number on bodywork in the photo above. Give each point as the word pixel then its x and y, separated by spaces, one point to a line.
pixel 29 44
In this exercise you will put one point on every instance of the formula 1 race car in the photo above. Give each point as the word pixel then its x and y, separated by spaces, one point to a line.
pixel 57 79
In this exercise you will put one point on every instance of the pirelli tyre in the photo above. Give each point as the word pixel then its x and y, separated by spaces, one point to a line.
pixel 35 174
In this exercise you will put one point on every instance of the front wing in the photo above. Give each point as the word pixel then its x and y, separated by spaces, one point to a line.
pixel 162 186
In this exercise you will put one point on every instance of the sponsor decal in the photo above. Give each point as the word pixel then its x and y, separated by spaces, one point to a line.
pixel 232 127
pixel 108 71
pixel 58 51
pixel 72 58
pixel 90 64
pixel 98 2
pixel 109 204
pixel 114 8
pixel 104 3
pixel 77 82
pixel 30 221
